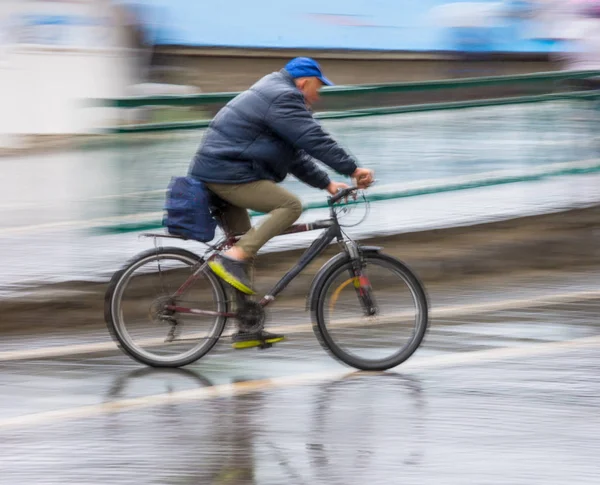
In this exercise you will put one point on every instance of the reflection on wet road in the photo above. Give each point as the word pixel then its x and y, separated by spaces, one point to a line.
pixel 503 396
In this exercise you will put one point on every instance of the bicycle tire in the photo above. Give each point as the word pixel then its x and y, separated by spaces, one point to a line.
pixel 115 289
pixel 328 342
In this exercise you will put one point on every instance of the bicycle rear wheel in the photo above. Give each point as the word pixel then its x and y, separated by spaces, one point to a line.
pixel 379 341
pixel 135 310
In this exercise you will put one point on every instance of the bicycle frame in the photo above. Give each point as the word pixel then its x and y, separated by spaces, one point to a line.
pixel 333 232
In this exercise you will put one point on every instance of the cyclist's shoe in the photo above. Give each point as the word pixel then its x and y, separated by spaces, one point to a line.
pixel 233 272
pixel 246 340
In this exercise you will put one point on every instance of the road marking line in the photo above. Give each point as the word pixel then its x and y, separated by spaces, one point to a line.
pixel 442 312
pixel 241 388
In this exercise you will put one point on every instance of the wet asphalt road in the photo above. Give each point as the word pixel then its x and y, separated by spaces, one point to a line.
pixel 504 390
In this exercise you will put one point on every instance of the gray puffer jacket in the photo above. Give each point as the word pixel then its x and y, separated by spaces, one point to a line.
pixel 265 133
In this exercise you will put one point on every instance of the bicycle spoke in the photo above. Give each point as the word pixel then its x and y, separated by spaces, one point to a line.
pixel 372 321
pixel 150 327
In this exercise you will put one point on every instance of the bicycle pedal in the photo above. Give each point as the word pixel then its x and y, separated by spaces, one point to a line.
pixel 265 345
pixel 250 345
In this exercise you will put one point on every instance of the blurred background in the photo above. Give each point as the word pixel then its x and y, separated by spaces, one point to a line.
pixel 104 100
pixel 481 120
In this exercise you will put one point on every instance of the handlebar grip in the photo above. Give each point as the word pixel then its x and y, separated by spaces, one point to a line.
pixel 341 194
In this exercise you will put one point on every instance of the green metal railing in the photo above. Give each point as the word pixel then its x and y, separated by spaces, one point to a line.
pixel 360 113
pixel 552 104
pixel 359 90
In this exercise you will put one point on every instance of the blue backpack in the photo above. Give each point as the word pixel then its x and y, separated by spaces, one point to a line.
pixel 188 210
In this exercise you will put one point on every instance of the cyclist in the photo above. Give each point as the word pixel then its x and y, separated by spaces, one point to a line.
pixel 251 145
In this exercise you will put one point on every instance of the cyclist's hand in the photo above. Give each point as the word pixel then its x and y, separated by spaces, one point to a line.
pixel 364 177
pixel 334 187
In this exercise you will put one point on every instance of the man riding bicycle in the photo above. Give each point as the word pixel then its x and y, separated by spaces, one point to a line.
pixel 251 145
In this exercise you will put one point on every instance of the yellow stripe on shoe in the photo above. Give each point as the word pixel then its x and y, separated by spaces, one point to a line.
pixel 222 273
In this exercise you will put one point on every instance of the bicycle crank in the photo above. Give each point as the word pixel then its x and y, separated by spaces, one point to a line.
pixel 251 316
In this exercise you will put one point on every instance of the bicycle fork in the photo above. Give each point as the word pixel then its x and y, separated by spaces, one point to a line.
pixel 360 281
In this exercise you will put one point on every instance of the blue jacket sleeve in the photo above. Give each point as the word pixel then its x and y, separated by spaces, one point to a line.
pixel 308 171
pixel 291 120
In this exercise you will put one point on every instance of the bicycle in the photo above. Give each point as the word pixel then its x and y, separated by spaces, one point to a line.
pixel 355 267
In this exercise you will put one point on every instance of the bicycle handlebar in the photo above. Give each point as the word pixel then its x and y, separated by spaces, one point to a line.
pixel 342 194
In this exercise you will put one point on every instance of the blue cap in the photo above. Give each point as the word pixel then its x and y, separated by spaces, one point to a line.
pixel 306 67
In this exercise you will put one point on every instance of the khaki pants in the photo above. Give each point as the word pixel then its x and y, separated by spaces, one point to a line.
pixel 283 207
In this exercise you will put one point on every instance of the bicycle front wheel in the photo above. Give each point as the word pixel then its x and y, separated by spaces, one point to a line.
pixel 136 310
pixel 381 333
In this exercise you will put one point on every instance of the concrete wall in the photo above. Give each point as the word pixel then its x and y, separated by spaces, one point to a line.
pixel 234 69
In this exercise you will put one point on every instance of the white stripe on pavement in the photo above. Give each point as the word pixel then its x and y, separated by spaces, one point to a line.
pixel 241 388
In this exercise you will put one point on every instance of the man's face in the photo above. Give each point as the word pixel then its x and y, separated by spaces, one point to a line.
pixel 310 87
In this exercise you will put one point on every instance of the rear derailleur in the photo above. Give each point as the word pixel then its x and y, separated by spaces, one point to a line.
pixel 161 315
